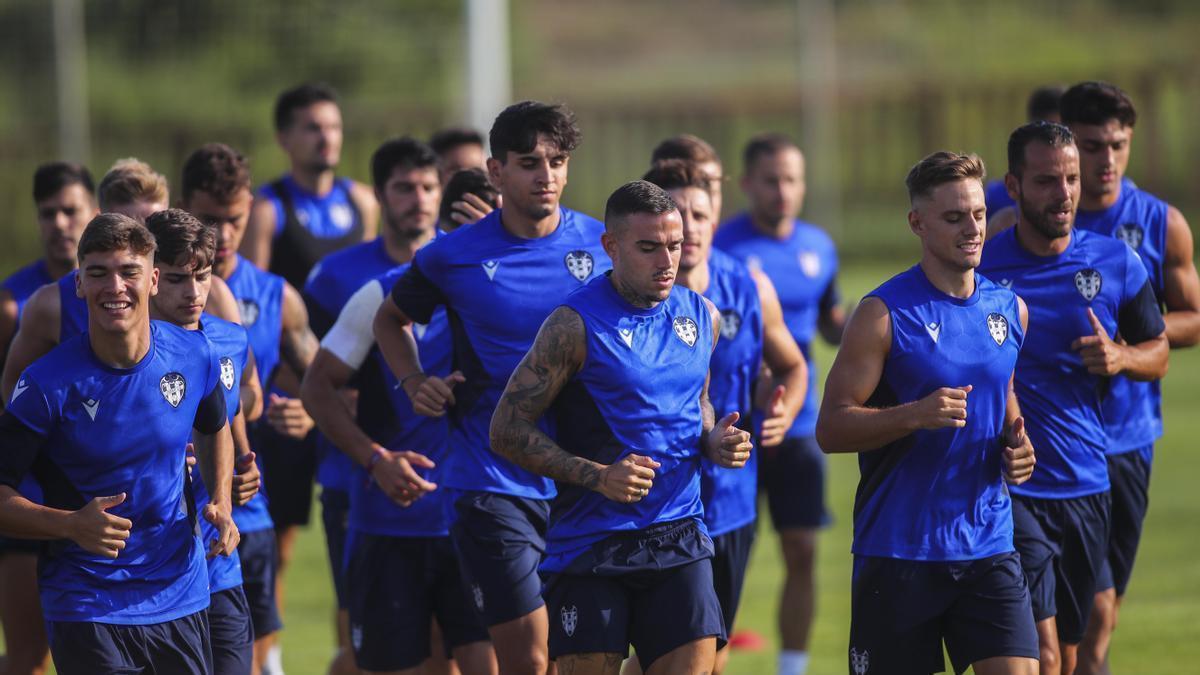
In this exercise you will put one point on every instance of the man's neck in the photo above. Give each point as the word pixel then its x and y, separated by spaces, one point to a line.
pixel 520 225
pixel 319 182
pixel 120 350
pixel 780 228
pixel 1101 201
pixel 58 269
pixel 1037 243
pixel 159 316
pixel 694 278
pixel 953 281
pixel 630 295
pixel 400 246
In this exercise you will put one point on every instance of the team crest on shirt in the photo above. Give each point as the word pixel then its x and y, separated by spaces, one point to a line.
pixel 1130 233
pixel 341 216
pixel 570 619
pixel 248 310
pixel 998 327
pixel 731 323
pixel 227 373
pixel 580 264
pixel 810 264
pixel 860 662
pixel 1088 282
pixel 173 387
pixel 686 330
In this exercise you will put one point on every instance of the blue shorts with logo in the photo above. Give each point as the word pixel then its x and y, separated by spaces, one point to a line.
pixel 903 610
pixel 650 588
pixel 179 647
pixel 397 585
pixel 793 474
pixel 500 540
pixel 1129 474
pixel 1062 543
pixel 231 634
pixel 257 551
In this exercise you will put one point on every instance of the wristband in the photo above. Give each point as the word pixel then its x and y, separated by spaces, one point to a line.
pixel 406 378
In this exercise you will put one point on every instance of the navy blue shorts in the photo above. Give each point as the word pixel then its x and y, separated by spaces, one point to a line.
pixel 335 515
pixel 397 586
pixel 902 611
pixel 793 474
pixel 1129 473
pixel 257 551
pixel 232 636
pixel 179 647
pixel 289 467
pixel 1062 543
pixel 20 546
pixel 500 540
pixel 660 603
pixel 732 555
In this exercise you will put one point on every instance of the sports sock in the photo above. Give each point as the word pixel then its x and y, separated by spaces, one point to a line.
pixel 793 662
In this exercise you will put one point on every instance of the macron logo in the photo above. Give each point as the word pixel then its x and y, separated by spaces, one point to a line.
pixel 18 390
pixel 934 329
pixel 490 266
pixel 1007 283
pixel 626 336
pixel 91 406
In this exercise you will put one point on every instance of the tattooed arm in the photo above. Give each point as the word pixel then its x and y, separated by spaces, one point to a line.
pixel 557 354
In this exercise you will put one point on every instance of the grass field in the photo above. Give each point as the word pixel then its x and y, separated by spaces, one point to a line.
pixel 1158 632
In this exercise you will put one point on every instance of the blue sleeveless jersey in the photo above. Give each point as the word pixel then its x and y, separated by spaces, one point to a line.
pixel 804 269
pixel 638 392
pixel 328 288
pixel 259 296
pixel 995 197
pixel 371 510
pixel 232 346
pixel 20 285
pixel 1133 410
pixel 73 317
pixel 325 217
pixel 940 494
pixel 1062 402
pixel 730 495
pixel 109 431
pixel 497 289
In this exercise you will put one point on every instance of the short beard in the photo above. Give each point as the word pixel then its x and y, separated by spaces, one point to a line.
pixel 1042 224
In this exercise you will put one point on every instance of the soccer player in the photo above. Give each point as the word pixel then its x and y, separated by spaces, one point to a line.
pixel 922 389
pixel 468 184
pixel 457 148
pixel 216 189
pixel 498 280
pixel 1043 104
pixel 1102 118
pixel 63 194
pixel 309 212
pixel 1081 289
pixel 404 171
pixel 102 422
pixel 183 257
pixel 696 151
pixel 622 367
pixel 800 259
pixel 752 333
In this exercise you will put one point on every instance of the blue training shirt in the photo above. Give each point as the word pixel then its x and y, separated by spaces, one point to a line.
pixel 1133 410
pixel 1061 401
pixel 995 197
pixel 109 431
pixel 371 510
pixel 497 289
pixel 20 285
pixel 73 318
pixel 637 392
pixel 803 266
pixel 730 495
pixel 939 494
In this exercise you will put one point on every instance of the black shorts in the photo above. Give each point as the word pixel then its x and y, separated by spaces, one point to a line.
pixel 335 514
pixel 20 546
pixel 500 540
pixel 732 555
pixel 1062 543
pixel 289 467
pixel 793 474
pixel 903 610
pixel 178 647
pixel 258 553
pixel 654 608
pixel 1129 473
pixel 232 636
pixel 397 585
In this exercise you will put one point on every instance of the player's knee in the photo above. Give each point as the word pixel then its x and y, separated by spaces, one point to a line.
pixel 530 660
pixel 1050 659
pixel 799 551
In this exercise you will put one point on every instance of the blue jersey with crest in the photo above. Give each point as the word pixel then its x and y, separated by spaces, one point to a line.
pixel 1062 402
pixel 1133 410
pixel 637 392
pixel 497 289
pixel 73 318
pixel 20 285
pixel 803 266
pixel 371 510
pixel 109 431
pixel 259 296
pixel 232 345
pixel 329 286
pixel 730 495
pixel 939 494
